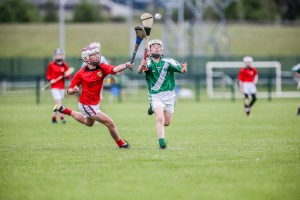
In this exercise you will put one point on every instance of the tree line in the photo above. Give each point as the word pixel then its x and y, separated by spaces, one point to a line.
pixel 23 11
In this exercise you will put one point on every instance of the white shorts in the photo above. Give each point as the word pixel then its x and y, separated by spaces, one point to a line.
pixel 88 110
pixel 58 94
pixel 165 100
pixel 249 88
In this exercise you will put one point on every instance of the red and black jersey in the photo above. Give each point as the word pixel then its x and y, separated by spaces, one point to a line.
pixel 247 74
pixel 91 81
pixel 54 71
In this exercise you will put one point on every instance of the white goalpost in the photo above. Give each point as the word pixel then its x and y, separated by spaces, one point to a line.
pixel 211 74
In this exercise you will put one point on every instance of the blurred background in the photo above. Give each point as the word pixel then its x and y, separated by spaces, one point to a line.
pixel 196 31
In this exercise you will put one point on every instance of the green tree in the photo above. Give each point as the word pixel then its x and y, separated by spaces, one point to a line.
pixel 50 12
pixel 18 11
pixel 289 9
pixel 253 10
pixel 86 12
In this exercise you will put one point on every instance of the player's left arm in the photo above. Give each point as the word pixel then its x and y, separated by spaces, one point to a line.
pixel 66 66
pixel 296 70
pixel 297 75
pixel 255 77
pixel 184 67
pixel 177 67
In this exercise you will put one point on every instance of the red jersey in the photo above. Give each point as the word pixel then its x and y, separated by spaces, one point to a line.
pixel 91 81
pixel 247 74
pixel 54 71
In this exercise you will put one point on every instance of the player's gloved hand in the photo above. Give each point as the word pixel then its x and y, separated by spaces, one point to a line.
pixel 144 68
pixel 143 62
pixel 144 65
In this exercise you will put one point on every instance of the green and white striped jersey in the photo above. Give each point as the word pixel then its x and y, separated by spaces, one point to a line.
pixel 296 68
pixel 160 76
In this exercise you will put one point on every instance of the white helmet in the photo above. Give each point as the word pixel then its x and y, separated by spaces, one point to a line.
pixel 248 59
pixel 58 52
pixel 87 51
pixel 155 41
pixel 96 44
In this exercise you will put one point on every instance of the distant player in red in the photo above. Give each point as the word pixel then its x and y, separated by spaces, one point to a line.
pixel 56 68
pixel 248 77
pixel 296 72
pixel 91 79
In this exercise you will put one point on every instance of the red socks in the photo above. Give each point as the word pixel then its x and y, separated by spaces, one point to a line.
pixel 120 143
pixel 67 111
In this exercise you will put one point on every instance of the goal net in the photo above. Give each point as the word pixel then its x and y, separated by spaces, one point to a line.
pixel 221 79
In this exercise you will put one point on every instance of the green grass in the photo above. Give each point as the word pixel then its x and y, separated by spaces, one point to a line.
pixel 39 40
pixel 215 152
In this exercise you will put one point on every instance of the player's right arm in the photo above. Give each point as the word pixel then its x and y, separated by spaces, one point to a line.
pixel 73 90
pixel 49 72
pixel 142 66
pixel 240 78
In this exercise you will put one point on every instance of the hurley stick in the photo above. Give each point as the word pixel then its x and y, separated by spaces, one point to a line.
pixel 147 21
pixel 140 35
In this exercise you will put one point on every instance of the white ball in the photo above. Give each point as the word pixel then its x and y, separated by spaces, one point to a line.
pixel 157 16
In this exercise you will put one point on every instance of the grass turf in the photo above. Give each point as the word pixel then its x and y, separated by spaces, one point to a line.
pixel 214 152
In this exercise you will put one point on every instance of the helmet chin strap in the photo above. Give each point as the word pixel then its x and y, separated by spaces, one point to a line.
pixel 155 55
pixel 95 63
pixel 59 62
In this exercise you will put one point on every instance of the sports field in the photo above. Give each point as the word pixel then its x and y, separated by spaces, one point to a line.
pixel 214 152
pixel 39 40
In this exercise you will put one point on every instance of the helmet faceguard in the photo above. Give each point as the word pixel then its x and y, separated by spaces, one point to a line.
pixel 58 56
pixel 86 52
pixel 152 42
pixel 248 60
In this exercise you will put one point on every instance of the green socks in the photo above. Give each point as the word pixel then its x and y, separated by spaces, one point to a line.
pixel 162 142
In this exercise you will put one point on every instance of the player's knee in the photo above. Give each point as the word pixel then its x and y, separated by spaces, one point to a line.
pixel 167 123
pixel 109 124
pixel 160 119
pixel 89 124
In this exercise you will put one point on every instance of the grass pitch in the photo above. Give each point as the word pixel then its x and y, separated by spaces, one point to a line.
pixel 39 40
pixel 215 152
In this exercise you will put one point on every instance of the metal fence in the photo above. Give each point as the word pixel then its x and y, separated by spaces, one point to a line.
pixel 22 74
pixel 30 68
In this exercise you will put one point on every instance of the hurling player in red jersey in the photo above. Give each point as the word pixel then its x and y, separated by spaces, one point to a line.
pixel 91 79
pixel 296 72
pixel 248 77
pixel 56 68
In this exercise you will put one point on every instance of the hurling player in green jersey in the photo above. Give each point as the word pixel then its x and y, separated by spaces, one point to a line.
pixel 296 72
pixel 159 72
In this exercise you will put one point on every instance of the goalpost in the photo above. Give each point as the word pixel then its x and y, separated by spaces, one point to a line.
pixel 236 66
